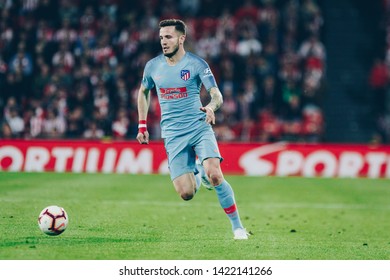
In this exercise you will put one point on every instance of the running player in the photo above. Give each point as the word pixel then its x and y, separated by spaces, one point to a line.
pixel 185 123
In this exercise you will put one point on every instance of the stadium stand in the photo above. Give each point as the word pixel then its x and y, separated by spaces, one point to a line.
pixel 71 68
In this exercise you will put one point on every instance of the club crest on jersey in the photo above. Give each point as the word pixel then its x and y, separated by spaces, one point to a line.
pixel 185 74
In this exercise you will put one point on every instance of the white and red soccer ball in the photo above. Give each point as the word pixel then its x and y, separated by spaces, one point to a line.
pixel 53 220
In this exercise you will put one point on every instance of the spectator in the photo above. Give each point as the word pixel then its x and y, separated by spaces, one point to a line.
pixel 15 123
pixel 93 132
pixel 54 125
pixel 21 62
pixel 63 58
pixel 101 99
pixel 41 80
pixel 269 98
pixel 68 12
pixel 120 125
pixel 379 81
pixel 292 119
pixel 312 126
pixel 208 46
pixel 248 44
pixel 66 33
pixel 36 123
pixel 312 47
pixel 6 131
pixel 270 127
pixel 75 122
pixel 229 108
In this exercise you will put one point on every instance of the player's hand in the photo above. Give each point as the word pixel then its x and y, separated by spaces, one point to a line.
pixel 143 138
pixel 210 116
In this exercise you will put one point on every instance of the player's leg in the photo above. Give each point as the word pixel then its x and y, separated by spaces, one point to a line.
pixel 223 189
pixel 225 196
pixel 181 163
pixel 210 158
pixel 185 185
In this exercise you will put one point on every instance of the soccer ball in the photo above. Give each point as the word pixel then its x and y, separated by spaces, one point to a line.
pixel 53 220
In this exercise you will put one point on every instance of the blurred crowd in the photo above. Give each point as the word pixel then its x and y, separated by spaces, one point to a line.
pixel 379 81
pixel 72 68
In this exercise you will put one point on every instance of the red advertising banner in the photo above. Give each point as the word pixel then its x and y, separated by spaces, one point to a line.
pixel 277 159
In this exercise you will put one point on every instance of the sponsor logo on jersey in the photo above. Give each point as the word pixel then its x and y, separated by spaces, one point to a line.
pixel 185 74
pixel 173 93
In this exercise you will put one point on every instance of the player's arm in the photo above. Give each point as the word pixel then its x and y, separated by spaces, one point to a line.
pixel 143 107
pixel 214 104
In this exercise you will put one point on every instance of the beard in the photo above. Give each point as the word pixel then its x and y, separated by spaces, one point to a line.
pixel 169 55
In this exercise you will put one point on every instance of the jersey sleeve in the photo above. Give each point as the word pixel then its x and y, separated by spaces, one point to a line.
pixel 206 75
pixel 147 80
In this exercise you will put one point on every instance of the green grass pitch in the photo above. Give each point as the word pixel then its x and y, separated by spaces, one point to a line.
pixel 140 217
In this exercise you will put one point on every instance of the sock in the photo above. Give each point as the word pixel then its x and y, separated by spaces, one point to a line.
pixel 226 199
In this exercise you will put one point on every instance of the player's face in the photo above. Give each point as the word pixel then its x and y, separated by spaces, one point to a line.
pixel 170 40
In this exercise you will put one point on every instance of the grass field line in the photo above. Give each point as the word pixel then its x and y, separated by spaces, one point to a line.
pixel 255 205
pixel 267 205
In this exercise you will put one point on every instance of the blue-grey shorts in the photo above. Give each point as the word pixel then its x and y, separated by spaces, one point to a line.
pixel 183 150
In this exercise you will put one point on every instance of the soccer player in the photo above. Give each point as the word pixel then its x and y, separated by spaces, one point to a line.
pixel 185 122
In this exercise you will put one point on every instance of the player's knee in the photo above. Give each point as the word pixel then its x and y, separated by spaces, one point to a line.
pixel 215 177
pixel 185 188
pixel 187 195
